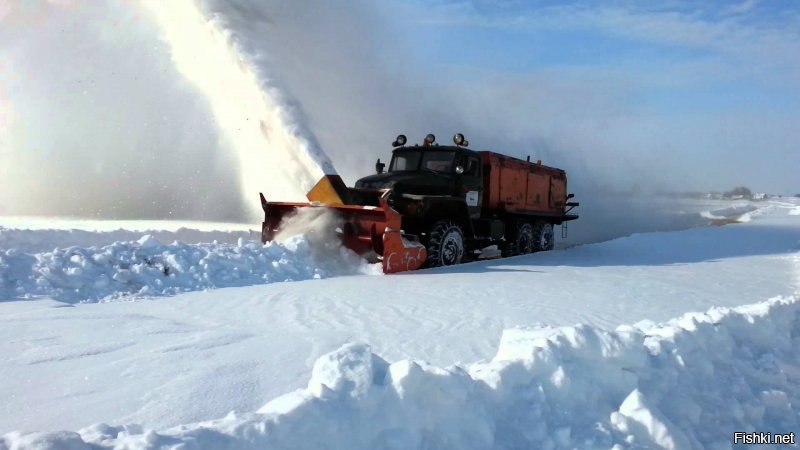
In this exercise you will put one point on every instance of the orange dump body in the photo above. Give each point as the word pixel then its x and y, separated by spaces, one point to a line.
pixel 518 186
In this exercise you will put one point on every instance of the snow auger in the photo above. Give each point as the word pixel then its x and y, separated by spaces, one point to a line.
pixel 440 205
pixel 371 231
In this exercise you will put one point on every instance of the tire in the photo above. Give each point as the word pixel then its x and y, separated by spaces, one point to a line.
pixel 445 245
pixel 543 236
pixel 524 243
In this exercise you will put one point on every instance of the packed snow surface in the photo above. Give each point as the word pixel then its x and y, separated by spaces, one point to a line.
pixel 690 383
pixel 482 355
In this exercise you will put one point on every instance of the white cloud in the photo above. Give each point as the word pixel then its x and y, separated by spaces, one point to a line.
pixel 63 3
pixel 743 7
pixel 767 48
pixel 6 110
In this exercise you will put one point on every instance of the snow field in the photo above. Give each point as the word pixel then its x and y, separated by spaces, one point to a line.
pixel 686 384
pixel 148 268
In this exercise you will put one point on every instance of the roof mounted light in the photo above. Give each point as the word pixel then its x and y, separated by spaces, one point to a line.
pixel 400 141
pixel 459 140
pixel 430 139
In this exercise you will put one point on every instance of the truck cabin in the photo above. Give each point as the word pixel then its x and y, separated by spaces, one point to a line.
pixel 443 160
pixel 427 169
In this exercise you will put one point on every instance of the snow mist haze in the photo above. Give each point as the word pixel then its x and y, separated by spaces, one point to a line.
pixel 127 110
pixel 96 121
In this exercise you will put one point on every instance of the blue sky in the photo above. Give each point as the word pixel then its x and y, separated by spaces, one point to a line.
pixel 712 54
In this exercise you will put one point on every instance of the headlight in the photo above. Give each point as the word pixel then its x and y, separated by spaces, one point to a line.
pixel 400 141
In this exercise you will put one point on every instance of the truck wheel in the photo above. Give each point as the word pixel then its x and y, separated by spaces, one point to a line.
pixel 524 243
pixel 445 245
pixel 543 236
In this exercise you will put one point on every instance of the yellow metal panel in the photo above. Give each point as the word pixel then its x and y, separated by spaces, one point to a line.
pixel 327 191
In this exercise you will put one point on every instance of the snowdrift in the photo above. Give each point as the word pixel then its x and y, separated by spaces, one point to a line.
pixel 148 268
pixel 687 384
pixel 737 213
pixel 44 240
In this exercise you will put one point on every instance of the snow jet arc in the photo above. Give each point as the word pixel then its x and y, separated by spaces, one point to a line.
pixel 276 152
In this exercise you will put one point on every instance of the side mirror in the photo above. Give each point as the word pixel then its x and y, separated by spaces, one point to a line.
pixel 379 166
pixel 459 169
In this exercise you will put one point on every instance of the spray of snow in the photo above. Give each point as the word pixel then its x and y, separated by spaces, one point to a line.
pixel 277 154
pixel 322 229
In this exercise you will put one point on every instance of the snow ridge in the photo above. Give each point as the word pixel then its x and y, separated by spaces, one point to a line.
pixel 687 384
pixel 148 268
pixel 43 240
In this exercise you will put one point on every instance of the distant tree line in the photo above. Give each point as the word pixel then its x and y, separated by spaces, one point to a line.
pixel 738 192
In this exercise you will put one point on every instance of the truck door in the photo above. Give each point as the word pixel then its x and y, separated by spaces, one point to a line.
pixel 471 182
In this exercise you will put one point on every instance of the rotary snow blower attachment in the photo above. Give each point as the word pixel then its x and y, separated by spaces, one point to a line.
pixel 370 228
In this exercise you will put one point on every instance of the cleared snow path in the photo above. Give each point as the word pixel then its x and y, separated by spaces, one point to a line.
pixel 688 384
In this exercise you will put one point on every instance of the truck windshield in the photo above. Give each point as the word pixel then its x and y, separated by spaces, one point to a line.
pixel 439 161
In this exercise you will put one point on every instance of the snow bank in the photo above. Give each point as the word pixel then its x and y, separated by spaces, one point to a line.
pixel 735 212
pixel 147 267
pixel 687 384
pixel 44 240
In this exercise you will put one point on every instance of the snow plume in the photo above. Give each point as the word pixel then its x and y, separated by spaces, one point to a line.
pixel 321 228
pixel 687 384
pixel 276 152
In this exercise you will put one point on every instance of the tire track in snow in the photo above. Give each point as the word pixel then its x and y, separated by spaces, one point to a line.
pixel 92 351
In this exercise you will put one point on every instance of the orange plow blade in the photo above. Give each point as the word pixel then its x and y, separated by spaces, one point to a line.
pixel 367 230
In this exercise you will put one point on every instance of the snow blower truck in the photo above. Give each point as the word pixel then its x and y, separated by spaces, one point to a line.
pixel 440 206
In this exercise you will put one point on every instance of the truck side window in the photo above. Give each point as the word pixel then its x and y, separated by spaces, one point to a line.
pixel 404 161
pixel 473 167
